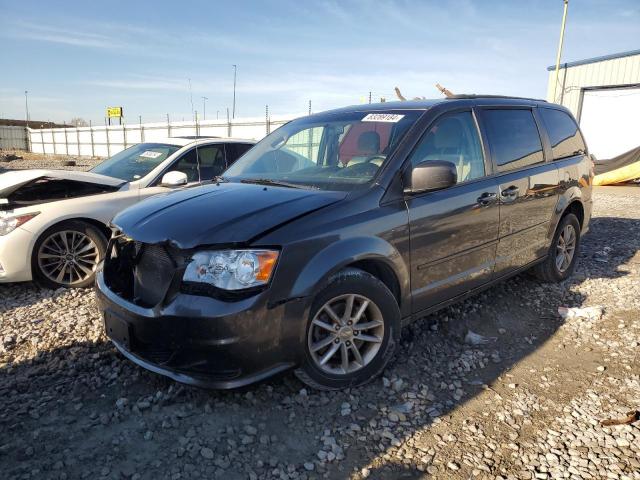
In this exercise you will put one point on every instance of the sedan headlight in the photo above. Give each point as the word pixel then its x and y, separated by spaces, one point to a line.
pixel 232 269
pixel 9 223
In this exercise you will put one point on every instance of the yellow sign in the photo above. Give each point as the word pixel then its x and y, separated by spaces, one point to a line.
pixel 114 112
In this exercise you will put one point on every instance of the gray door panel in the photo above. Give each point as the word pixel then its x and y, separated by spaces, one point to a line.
pixel 453 241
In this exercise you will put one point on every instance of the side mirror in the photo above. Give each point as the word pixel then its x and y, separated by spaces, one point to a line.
pixel 430 175
pixel 174 179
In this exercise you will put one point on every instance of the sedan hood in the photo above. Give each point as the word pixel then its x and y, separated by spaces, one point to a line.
pixel 225 213
pixel 13 180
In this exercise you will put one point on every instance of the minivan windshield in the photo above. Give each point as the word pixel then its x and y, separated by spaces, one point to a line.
pixel 337 151
pixel 135 162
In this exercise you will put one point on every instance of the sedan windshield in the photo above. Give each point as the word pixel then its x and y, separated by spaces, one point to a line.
pixel 136 162
pixel 332 152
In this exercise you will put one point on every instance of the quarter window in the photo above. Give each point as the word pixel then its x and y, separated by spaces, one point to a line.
pixel 513 138
pixel 453 138
pixel 566 140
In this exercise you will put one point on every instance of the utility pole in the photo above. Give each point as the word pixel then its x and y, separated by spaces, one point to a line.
pixel 217 114
pixel 204 108
pixel 564 21
pixel 26 105
pixel 235 71
pixel 191 97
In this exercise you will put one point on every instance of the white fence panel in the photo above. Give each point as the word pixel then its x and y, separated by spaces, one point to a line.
pixel 104 141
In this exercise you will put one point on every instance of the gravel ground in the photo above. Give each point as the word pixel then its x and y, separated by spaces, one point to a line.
pixel 527 404
pixel 37 160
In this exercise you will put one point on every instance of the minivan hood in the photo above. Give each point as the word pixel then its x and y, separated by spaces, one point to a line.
pixel 224 213
pixel 12 180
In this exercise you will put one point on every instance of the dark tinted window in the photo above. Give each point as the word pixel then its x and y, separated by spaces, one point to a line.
pixel 453 138
pixel 208 163
pixel 236 150
pixel 513 137
pixel 212 162
pixel 564 135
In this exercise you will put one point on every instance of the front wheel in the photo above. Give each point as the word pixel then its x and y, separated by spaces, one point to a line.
pixel 66 255
pixel 563 253
pixel 351 333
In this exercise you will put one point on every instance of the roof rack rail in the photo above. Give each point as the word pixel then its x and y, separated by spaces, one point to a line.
pixel 475 95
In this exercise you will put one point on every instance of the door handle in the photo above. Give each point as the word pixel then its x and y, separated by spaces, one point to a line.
pixel 510 194
pixel 487 198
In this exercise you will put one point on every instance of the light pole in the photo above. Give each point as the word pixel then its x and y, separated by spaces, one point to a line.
pixel 191 98
pixel 564 21
pixel 204 108
pixel 26 105
pixel 235 71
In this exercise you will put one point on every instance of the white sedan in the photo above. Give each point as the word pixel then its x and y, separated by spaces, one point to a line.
pixel 54 223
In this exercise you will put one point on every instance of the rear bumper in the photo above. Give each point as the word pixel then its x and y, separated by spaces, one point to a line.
pixel 15 256
pixel 203 341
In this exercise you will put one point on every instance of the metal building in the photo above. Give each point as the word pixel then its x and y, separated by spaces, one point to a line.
pixel 604 95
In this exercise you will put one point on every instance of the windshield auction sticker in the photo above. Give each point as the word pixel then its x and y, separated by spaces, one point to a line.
pixel 150 154
pixel 383 117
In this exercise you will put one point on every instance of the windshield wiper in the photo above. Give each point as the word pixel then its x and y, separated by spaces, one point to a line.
pixel 276 183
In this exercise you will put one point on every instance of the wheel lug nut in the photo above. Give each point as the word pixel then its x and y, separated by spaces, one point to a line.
pixel 356 333
pixel 349 322
pixel 337 327
pixel 348 343
pixel 337 340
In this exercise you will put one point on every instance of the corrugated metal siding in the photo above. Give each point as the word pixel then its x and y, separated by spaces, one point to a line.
pixel 613 72
pixel 13 138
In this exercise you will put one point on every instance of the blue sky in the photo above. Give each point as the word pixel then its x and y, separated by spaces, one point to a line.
pixel 76 58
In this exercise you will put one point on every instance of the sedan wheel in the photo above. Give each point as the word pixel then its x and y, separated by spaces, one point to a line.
pixel 346 334
pixel 68 257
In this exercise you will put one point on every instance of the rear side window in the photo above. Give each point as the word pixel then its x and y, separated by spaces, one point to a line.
pixel 236 150
pixel 564 135
pixel 513 138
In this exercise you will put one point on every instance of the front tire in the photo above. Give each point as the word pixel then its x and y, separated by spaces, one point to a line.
pixel 563 253
pixel 352 330
pixel 66 255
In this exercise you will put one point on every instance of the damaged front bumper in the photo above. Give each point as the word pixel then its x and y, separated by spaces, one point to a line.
pixel 203 341
pixel 15 256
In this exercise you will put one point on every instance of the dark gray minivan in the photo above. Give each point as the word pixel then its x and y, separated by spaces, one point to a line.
pixel 320 243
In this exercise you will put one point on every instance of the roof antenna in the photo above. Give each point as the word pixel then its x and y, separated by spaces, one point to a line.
pixel 447 93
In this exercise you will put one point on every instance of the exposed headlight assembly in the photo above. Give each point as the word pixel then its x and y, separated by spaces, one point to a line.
pixel 232 269
pixel 9 223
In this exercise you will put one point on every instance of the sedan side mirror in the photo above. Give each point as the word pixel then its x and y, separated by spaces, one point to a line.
pixel 174 179
pixel 430 175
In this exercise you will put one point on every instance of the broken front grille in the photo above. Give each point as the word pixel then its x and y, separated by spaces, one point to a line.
pixel 140 273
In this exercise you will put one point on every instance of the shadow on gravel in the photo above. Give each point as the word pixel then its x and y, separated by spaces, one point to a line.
pixel 63 410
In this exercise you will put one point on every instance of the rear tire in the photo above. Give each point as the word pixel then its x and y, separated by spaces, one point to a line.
pixel 563 252
pixel 354 315
pixel 66 255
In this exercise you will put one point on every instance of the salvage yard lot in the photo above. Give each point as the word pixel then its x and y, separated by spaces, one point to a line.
pixel 526 404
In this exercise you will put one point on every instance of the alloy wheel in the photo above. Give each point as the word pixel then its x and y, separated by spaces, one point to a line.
pixel 345 334
pixel 565 248
pixel 68 257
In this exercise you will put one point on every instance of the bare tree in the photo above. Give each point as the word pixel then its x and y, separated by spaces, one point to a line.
pixel 79 122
